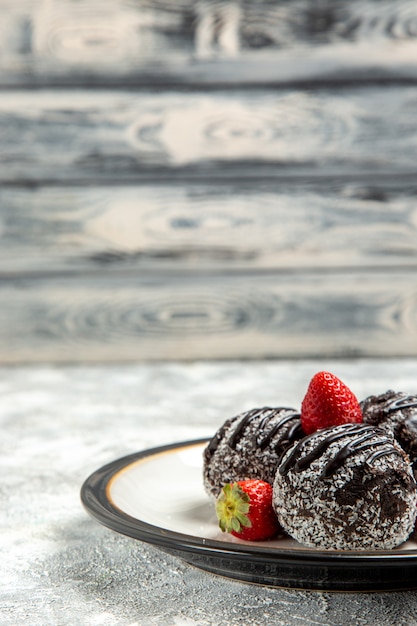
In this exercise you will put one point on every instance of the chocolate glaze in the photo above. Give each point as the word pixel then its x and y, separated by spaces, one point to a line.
pixel 363 438
pixel 395 412
pixel 398 404
pixel 250 445
pixel 354 447
pixel 215 441
pixel 379 453
pixel 292 434
pixel 244 422
pixel 265 439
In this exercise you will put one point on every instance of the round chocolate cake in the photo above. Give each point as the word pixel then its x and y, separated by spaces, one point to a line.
pixel 348 487
pixel 395 412
pixel 249 445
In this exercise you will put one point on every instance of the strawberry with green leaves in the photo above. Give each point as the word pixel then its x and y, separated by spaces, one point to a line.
pixel 328 402
pixel 244 509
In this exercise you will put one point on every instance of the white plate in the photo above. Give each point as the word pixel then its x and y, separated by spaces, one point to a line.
pixel 157 496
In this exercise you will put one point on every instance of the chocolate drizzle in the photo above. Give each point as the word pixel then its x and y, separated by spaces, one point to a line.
pixel 293 433
pixel 400 403
pixel 264 439
pixel 362 437
pixel 247 418
pixel 215 441
pixel 405 402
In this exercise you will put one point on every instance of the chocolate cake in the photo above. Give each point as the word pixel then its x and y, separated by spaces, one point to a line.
pixel 249 445
pixel 395 412
pixel 347 487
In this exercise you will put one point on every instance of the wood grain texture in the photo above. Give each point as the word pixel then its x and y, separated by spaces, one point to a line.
pixel 241 184
pixel 206 227
pixel 122 136
pixel 208 42
pixel 124 317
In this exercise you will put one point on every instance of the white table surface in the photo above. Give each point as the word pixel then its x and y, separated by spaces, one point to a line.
pixel 58 424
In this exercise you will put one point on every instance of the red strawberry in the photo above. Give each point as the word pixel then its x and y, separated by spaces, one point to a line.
pixel 244 509
pixel 328 402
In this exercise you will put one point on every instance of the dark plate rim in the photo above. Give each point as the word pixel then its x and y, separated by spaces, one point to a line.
pixel 94 497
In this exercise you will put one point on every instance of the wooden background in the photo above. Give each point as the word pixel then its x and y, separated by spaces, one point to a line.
pixel 188 179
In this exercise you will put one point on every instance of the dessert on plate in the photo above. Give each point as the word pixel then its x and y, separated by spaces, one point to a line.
pixel 341 473
pixel 249 445
pixel 346 487
pixel 395 412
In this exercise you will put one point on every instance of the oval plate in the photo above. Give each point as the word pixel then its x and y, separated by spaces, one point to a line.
pixel 157 496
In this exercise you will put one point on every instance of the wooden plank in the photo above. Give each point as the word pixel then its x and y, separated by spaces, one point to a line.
pixel 66 42
pixel 123 136
pixel 205 227
pixel 246 316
